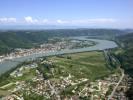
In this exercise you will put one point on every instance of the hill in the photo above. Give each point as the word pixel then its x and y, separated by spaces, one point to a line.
pixel 126 57
pixel 31 38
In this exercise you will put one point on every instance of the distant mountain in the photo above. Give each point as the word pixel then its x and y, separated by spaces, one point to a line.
pixel 128 30
pixel 10 39
pixel 36 27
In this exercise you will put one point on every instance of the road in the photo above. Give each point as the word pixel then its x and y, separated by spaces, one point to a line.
pixel 121 78
pixel 107 54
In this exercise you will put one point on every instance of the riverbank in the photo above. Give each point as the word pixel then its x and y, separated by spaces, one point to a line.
pixel 101 45
pixel 63 72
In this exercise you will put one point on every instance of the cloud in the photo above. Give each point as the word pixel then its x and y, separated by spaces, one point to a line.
pixel 87 21
pixel 62 21
pixel 78 22
pixel 45 20
pixel 29 19
pixel 8 20
pixel 101 20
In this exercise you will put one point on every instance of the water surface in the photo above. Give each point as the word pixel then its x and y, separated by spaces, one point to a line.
pixel 101 45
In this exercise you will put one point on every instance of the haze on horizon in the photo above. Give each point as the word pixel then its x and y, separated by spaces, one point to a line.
pixel 80 13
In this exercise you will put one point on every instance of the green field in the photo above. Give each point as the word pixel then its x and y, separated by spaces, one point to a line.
pixel 89 65
pixel 9 82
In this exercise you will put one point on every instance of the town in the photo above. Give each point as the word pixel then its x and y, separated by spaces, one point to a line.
pixel 52 46
pixel 47 77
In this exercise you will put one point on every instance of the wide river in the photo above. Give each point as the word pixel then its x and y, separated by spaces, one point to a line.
pixel 101 45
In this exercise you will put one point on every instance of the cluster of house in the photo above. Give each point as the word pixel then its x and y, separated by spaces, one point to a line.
pixel 20 71
pixel 125 84
pixel 53 88
pixel 44 48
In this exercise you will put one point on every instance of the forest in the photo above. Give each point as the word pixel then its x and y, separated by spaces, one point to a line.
pixel 11 39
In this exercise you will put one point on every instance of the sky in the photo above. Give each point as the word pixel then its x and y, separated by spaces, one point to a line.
pixel 81 13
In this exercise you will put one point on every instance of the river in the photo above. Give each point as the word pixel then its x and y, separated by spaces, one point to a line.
pixel 101 45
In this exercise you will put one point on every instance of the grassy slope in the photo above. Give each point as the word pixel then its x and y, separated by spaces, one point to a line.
pixel 89 65
pixel 126 57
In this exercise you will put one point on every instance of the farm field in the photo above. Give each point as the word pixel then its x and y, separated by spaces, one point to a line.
pixel 89 65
